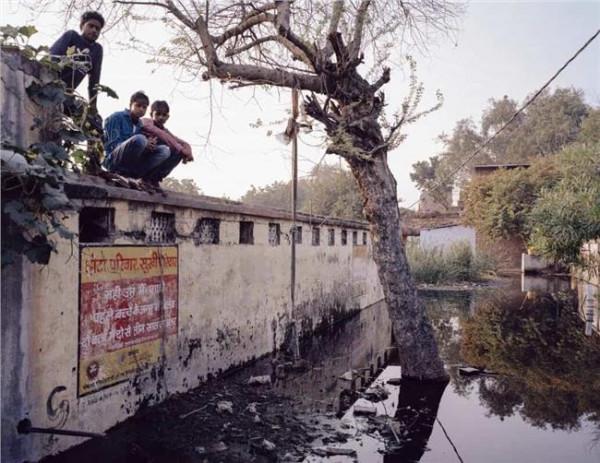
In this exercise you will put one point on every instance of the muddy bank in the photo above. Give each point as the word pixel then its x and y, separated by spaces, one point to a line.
pixel 223 420
pixel 289 414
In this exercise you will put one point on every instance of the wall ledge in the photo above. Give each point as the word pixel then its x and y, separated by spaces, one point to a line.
pixel 96 188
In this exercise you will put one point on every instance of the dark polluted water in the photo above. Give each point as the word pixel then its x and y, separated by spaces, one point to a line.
pixel 524 386
pixel 525 382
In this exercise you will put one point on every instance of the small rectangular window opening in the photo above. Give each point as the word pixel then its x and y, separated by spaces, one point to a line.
pixel 206 231
pixel 364 238
pixel 316 236
pixel 162 228
pixel 96 224
pixel 344 237
pixel 355 238
pixel 298 235
pixel 246 232
pixel 331 237
pixel 274 234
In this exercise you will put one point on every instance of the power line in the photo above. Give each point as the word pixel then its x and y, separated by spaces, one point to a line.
pixel 514 116
pixel 450 440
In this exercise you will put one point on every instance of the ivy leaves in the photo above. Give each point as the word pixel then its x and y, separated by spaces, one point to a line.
pixel 106 89
pixel 34 201
pixel 47 95
pixel 17 33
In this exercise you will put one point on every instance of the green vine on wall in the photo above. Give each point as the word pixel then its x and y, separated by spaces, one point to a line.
pixel 34 202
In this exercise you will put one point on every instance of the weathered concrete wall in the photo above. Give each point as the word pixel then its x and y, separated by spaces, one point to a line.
pixel 233 306
pixel 445 238
pixel 18 111
pixel 233 299
pixel 588 286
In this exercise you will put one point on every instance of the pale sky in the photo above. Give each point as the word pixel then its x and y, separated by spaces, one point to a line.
pixel 501 48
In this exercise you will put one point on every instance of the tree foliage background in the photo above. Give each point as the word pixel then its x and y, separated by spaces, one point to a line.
pixel 554 205
pixel 554 120
pixel 185 185
pixel 328 190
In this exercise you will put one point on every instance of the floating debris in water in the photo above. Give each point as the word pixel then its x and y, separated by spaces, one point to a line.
pixel 376 393
pixel 225 406
pixel 259 380
pixel 469 371
pixel 333 451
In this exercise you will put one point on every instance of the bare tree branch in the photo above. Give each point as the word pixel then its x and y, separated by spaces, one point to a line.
pixel 262 75
pixel 359 24
pixel 336 14
pixel 123 2
pixel 248 46
pixel 283 28
pixel 179 15
pixel 207 43
pixel 384 79
pixel 243 26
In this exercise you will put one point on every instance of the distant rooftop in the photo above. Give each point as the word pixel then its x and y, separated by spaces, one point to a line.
pixel 481 167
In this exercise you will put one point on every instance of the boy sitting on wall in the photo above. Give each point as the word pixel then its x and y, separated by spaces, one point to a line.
pixel 131 153
pixel 159 113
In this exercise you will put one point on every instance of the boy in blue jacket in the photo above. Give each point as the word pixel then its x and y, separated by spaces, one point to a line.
pixel 131 153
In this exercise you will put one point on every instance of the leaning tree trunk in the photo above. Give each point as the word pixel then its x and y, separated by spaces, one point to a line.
pixel 412 330
pixel 355 133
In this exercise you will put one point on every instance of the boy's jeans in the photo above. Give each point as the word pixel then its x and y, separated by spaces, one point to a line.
pixel 132 159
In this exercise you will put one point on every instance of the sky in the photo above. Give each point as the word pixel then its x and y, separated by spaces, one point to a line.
pixel 501 48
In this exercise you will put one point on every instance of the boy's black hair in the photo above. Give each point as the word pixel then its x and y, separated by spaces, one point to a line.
pixel 88 15
pixel 160 105
pixel 140 97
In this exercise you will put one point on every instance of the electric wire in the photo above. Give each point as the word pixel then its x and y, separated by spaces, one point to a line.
pixel 450 440
pixel 514 116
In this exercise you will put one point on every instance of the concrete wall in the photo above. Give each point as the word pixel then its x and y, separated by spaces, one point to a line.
pixel 233 302
pixel 588 286
pixel 233 307
pixel 444 238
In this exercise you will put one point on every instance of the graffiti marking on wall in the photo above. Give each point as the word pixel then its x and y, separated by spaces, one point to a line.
pixel 57 410
pixel 128 305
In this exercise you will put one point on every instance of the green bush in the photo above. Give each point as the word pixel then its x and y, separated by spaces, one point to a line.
pixel 567 215
pixel 458 264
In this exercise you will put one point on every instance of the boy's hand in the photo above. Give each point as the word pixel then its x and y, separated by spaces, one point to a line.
pixel 152 141
pixel 186 153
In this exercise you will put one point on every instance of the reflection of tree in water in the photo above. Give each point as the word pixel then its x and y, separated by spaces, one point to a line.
pixel 418 404
pixel 550 371
pixel 447 311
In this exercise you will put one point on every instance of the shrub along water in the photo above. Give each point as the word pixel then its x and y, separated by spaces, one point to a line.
pixel 457 264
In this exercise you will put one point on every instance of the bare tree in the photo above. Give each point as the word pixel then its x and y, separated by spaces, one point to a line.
pixel 317 47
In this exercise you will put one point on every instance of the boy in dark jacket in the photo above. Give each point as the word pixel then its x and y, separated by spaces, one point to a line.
pixel 87 53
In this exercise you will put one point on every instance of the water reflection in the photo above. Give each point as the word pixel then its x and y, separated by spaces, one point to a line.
pixel 547 369
pixel 418 404
pixel 589 307
pixel 534 398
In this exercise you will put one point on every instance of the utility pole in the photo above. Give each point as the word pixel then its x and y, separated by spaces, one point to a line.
pixel 294 137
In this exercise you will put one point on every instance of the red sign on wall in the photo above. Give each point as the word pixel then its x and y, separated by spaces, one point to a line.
pixel 127 308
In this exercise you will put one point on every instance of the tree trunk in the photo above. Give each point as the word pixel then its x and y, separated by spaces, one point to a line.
pixel 412 330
